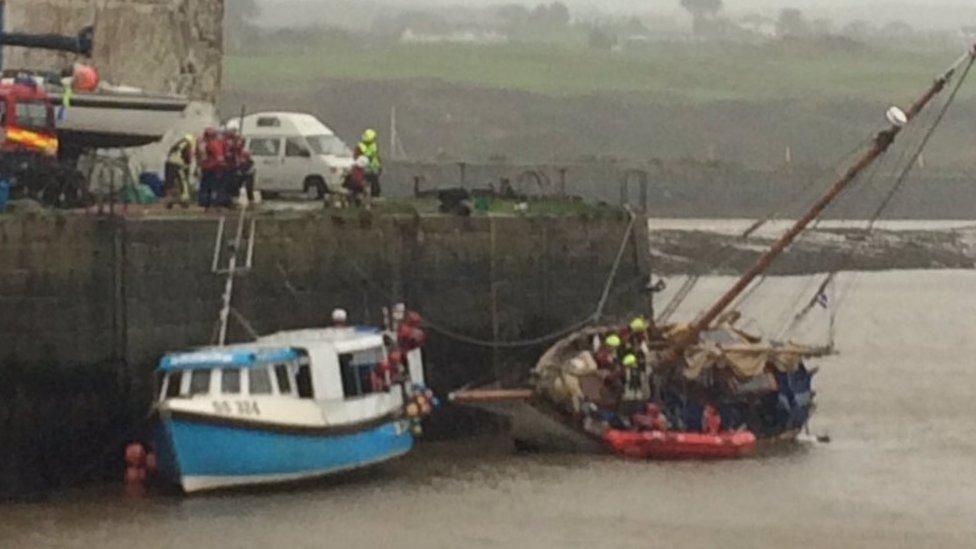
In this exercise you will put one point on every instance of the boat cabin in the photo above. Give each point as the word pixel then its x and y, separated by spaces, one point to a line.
pixel 247 372
pixel 329 370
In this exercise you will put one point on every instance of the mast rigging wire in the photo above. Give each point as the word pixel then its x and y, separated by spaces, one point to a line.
pixel 896 188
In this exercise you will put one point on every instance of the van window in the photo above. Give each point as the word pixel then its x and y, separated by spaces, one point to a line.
pixel 283 377
pixel 200 382
pixel 259 381
pixel 269 122
pixel 174 384
pixel 295 148
pixel 357 369
pixel 230 381
pixel 328 144
pixel 264 146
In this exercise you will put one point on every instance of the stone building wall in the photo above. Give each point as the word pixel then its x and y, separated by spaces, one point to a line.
pixel 164 46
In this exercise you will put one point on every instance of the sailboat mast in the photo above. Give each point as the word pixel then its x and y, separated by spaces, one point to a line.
pixel 882 142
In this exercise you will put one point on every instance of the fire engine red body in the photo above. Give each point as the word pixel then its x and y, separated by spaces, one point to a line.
pixel 29 148
pixel 27 119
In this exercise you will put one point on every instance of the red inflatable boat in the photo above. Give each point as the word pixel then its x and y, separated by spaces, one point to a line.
pixel 676 445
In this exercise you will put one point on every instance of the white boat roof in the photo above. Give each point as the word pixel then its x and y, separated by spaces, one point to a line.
pixel 240 356
pixel 275 348
pixel 343 340
pixel 280 123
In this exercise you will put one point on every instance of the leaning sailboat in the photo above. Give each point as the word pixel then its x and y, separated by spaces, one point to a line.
pixel 705 389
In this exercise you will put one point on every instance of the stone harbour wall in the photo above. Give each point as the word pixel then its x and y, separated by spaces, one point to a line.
pixel 80 289
pixel 691 189
pixel 89 304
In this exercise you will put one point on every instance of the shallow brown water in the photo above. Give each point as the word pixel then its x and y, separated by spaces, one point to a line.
pixel 900 470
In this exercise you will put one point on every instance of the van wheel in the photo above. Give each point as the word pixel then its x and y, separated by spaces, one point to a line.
pixel 314 188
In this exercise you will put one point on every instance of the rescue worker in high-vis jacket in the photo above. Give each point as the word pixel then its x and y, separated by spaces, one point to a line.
pixel 179 166
pixel 370 149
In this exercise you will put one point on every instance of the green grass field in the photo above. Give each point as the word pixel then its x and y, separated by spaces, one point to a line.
pixel 662 72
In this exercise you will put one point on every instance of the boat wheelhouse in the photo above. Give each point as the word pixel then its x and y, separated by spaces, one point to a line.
pixel 289 406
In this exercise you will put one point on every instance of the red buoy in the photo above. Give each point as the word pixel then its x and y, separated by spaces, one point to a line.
pixel 151 462
pixel 135 475
pixel 85 78
pixel 135 455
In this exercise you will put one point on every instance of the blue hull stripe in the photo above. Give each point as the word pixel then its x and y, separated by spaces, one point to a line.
pixel 195 449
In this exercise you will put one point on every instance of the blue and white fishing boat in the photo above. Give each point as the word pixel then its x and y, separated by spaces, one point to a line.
pixel 291 406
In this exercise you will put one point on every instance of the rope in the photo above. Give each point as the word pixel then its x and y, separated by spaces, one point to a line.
pixel 921 147
pixel 682 294
pixel 595 317
pixel 598 315
pixel 893 192
pixel 785 203
pixel 511 344
pixel 523 343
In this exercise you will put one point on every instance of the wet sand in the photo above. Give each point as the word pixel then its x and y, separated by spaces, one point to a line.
pixel 898 403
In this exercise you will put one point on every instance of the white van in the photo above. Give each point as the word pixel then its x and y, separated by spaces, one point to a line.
pixel 294 152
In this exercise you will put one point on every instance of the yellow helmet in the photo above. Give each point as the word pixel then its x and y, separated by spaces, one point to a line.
pixel 638 325
pixel 369 136
pixel 630 361
pixel 613 341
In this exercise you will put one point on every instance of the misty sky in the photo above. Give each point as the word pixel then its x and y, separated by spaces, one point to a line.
pixel 919 13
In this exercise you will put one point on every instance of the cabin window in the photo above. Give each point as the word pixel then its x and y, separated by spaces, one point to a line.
pixel 303 382
pixel 173 384
pixel 357 369
pixel 283 377
pixel 264 146
pixel 269 122
pixel 230 382
pixel 200 382
pixel 259 381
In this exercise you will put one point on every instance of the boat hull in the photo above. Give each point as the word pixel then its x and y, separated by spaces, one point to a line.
pixel 198 455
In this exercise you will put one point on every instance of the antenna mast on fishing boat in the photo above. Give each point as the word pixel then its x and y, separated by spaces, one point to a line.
pixel 882 142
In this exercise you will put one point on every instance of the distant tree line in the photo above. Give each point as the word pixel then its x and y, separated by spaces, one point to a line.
pixel 708 21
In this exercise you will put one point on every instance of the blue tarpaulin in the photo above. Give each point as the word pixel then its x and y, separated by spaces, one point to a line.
pixel 4 194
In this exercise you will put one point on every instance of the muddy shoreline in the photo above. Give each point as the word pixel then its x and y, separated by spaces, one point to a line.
pixel 700 252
